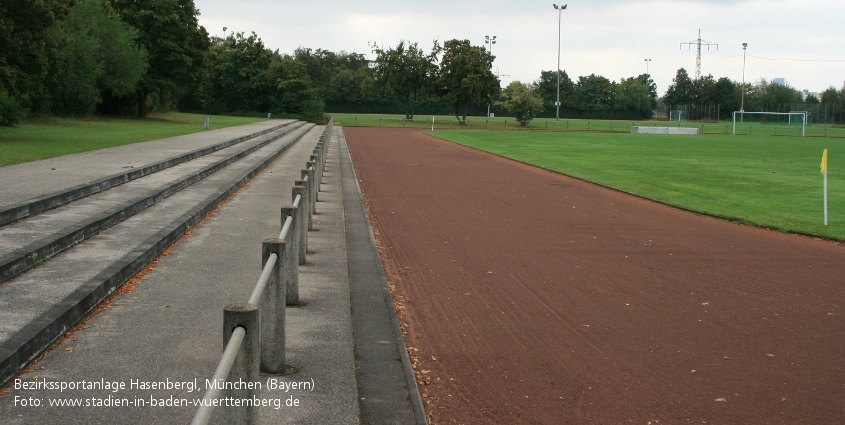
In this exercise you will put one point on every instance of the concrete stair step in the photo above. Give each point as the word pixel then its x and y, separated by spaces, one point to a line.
pixel 38 307
pixel 33 241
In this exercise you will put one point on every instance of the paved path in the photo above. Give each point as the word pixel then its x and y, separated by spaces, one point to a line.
pixel 169 327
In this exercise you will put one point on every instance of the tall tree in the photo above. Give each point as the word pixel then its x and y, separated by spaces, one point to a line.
pixel 547 85
pixel 594 93
pixel 465 76
pixel 407 71
pixel 26 51
pixel 681 91
pixel 634 97
pixel 178 48
pixel 98 55
pixel 239 76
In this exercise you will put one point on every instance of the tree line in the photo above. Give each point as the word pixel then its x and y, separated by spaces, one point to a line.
pixel 130 57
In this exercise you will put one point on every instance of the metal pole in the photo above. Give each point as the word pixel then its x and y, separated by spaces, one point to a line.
pixel 557 104
pixel 742 104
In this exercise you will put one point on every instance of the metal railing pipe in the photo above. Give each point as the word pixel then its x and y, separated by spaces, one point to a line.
pixel 203 415
pixel 266 272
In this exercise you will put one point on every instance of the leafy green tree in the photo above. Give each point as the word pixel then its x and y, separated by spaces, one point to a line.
pixel 407 71
pixel 831 95
pixel 546 88
pixel 594 93
pixel 98 54
pixel 240 75
pixel 634 97
pixel 26 52
pixel 296 93
pixel 682 90
pixel 465 76
pixel 177 45
pixel 522 101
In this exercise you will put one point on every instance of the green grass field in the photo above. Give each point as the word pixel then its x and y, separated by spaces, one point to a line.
pixel 767 181
pixel 47 138
pixel 443 122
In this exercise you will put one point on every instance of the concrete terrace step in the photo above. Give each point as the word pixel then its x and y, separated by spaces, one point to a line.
pixel 38 307
pixel 30 242
pixel 24 200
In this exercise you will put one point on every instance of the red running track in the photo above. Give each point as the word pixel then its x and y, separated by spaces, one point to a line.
pixel 531 297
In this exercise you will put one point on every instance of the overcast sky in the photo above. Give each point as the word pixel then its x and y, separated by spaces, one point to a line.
pixel 801 41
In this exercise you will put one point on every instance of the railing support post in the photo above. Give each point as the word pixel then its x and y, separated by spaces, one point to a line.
pixel 301 221
pixel 272 307
pixel 318 172
pixel 312 187
pixel 291 278
pixel 246 362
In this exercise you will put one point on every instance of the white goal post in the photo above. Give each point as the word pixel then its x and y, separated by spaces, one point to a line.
pixel 802 114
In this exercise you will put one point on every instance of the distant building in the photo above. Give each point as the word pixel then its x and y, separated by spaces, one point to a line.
pixel 779 81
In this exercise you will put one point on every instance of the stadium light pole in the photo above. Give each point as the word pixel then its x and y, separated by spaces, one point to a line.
pixel 646 66
pixel 557 104
pixel 742 102
pixel 491 42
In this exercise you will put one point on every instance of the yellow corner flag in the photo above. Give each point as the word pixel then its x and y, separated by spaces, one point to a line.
pixel 824 162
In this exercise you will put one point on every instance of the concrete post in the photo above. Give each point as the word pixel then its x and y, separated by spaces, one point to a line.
pixel 301 221
pixel 291 278
pixel 306 203
pixel 246 363
pixel 318 171
pixel 310 171
pixel 272 307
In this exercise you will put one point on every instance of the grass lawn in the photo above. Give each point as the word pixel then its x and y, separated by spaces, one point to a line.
pixel 39 139
pixel 445 122
pixel 762 180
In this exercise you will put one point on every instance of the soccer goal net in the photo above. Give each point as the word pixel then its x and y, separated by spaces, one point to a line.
pixel 677 115
pixel 784 118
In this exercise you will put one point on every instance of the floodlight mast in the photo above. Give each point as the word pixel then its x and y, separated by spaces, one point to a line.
pixel 491 42
pixel 742 102
pixel 557 104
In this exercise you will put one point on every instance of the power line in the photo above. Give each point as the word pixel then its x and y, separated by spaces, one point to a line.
pixel 781 59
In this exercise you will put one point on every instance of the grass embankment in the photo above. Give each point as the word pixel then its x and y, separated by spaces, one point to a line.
pixel 766 181
pixel 46 138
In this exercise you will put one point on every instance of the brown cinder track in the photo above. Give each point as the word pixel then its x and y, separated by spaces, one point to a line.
pixel 532 297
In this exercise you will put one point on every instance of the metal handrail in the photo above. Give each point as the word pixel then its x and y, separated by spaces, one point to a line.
pixel 203 414
pixel 224 367
pixel 255 297
pixel 286 227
